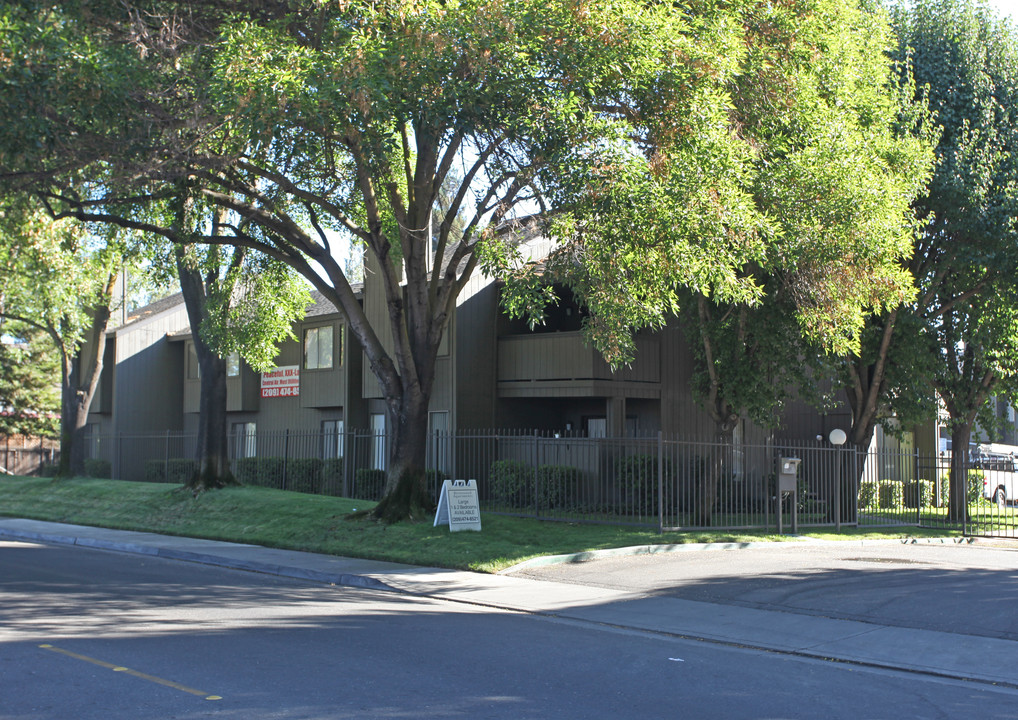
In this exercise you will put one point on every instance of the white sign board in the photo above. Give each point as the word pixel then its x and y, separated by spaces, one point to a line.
pixel 458 506
pixel 281 382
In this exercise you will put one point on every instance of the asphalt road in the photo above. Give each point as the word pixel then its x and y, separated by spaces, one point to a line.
pixel 971 590
pixel 89 634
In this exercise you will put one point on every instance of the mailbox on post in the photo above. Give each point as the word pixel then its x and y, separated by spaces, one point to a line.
pixel 788 474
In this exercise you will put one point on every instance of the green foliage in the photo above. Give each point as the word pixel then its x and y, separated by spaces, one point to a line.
pixel 890 495
pixel 252 304
pixel 881 495
pixel 868 495
pixel 369 484
pixel 175 470
pixel 637 479
pixel 98 468
pixel 511 486
pixel 924 488
pixel 963 58
pixel 297 474
pixel 29 385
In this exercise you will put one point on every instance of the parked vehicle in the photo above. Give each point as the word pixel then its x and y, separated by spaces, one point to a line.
pixel 1000 479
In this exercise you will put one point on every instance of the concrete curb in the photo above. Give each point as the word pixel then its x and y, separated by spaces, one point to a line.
pixel 634 550
pixel 342 579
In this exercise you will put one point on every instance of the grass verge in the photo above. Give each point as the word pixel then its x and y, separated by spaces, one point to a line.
pixel 318 523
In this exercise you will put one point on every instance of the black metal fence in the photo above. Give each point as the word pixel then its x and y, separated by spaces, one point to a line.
pixel 669 484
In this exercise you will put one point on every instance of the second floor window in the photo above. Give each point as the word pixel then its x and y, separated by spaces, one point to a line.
pixel 233 364
pixel 318 345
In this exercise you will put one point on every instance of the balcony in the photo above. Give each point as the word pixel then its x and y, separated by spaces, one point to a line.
pixel 561 365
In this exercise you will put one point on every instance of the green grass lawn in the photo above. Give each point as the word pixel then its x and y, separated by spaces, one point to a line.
pixel 318 523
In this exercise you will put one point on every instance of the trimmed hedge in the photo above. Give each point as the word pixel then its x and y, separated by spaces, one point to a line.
pixel 98 468
pixel 637 478
pixel 925 490
pixel 511 485
pixel 368 484
pixel 881 495
pixel 301 474
pixel 175 470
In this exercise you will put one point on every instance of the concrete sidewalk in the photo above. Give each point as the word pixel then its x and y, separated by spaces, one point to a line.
pixel 951 655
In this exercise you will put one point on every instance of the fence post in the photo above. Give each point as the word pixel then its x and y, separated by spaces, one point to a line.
pixel 347 448
pixel 839 462
pixel 537 450
pixel 660 483
pixel 286 455
pixel 40 456
pixel 166 458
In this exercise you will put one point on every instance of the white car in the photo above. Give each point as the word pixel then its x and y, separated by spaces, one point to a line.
pixel 1000 480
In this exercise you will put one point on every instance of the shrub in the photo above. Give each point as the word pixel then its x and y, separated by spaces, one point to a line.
pixel 868 495
pixel 973 490
pixel 891 495
pixel 924 488
pixel 304 475
pixel 49 470
pixel 637 478
pixel 263 472
pixel 369 484
pixel 511 484
pixel 332 476
pixel 174 470
pixel 98 468
pixel 559 486
pixel 433 480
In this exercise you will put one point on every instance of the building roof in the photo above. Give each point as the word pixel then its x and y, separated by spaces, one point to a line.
pixel 146 312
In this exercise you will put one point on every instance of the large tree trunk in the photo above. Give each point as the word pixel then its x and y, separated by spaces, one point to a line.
pixel 80 374
pixel 957 506
pixel 406 493
pixel 710 482
pixel 212 461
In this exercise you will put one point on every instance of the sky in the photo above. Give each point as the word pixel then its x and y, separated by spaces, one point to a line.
pixel 1006 7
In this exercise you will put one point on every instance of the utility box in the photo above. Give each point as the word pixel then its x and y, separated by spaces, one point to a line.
pixel 788 472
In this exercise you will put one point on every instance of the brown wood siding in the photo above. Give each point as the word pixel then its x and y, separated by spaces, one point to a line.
pixel 474 347
pixel 323 388
pixel 149 373
pixel 564 358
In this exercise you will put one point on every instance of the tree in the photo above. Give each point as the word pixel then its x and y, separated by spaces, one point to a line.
pixel 29 393
pixel 305 120
pixel 87 98
pixel 238 301
pixel 59 280
pixel 966 254
pixel 774 241
pixel 309 119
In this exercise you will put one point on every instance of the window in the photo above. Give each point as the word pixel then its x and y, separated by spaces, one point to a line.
pixel 233 364
pixel 318 346
pixel 378 442
pixel 332 439
pixel 597 427
pixel 244 438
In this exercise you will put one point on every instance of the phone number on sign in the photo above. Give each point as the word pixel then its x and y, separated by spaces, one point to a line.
pixel 280 392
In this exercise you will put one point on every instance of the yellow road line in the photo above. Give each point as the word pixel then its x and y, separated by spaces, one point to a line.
pixel 133 673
